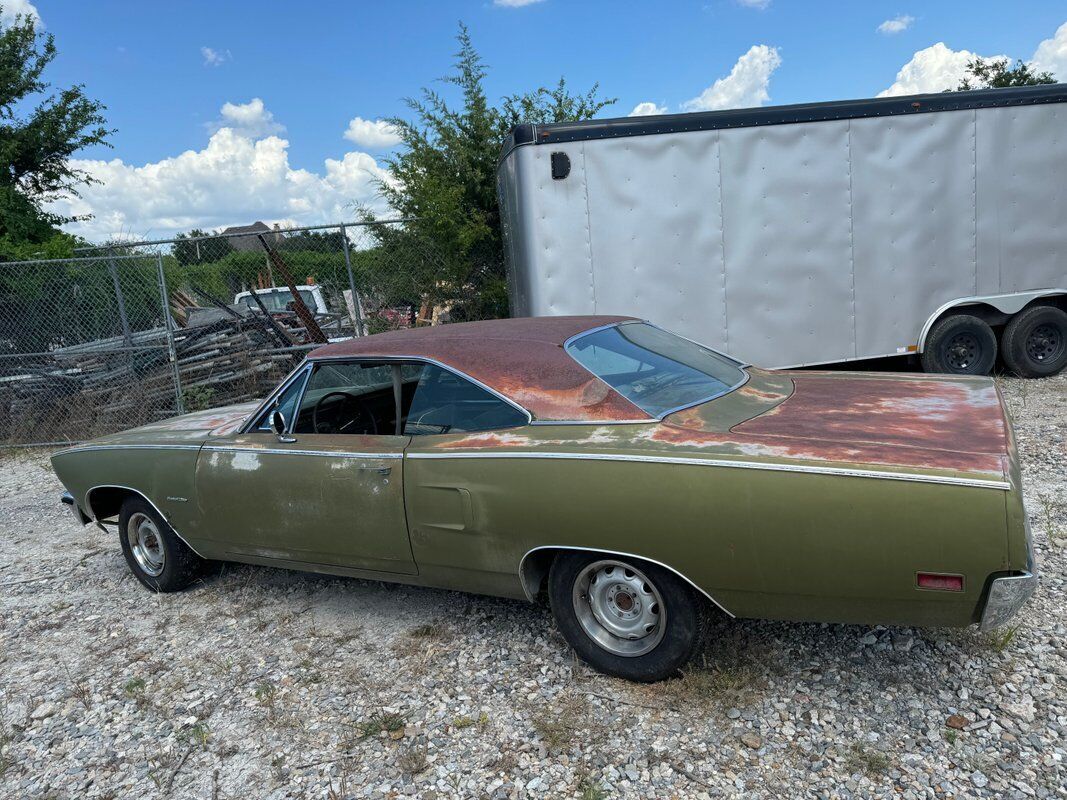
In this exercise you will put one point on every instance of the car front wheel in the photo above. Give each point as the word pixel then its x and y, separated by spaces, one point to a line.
pixel 156 556
pixel 624 616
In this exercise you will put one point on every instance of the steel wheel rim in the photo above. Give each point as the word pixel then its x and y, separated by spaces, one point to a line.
pixel 963 351
pixel 1044 343
pixel 146 544
pixel 619 608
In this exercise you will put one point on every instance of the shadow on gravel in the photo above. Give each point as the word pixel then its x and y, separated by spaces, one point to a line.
pixel 741 658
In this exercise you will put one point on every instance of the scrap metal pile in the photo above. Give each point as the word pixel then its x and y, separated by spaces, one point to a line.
pixel 97 387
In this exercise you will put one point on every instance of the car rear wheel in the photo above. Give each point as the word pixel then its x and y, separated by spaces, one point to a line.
pixel 156 556
pixel 624 616
pixel 1035 342
pixel 960 345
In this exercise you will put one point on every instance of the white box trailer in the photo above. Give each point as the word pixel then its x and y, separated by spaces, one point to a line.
pixel 807 234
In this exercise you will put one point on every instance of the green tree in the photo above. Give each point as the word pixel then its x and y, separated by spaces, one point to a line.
pixel 39 132
pixel 188 251
pixel 998 73
pixel 444 180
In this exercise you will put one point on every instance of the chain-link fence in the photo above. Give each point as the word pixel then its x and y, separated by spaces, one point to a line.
pixel 128 333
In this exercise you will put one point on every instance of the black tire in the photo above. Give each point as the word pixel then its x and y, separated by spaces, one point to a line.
pixel 153 542
pixel 960 345
pixel 1034 343
pixel 677 638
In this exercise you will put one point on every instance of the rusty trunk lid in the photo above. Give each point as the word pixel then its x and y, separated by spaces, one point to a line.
pixel 930 422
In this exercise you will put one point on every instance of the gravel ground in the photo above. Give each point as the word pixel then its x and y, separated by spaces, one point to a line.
pixel 266 683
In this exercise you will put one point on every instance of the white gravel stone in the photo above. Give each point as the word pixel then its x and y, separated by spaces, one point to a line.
pixel 269 684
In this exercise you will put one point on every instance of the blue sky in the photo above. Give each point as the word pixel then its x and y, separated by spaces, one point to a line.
pixel 166 71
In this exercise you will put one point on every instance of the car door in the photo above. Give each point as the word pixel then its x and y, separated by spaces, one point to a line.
pixel 330 492
pixel 457 533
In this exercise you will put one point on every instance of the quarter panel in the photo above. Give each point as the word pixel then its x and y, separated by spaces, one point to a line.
pixel 783 545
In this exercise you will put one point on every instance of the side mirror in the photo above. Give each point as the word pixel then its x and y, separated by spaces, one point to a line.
pixel 278 425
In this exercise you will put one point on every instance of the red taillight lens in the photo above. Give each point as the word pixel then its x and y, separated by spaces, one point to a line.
pixel 936 580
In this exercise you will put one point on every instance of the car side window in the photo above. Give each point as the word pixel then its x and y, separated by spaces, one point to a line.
pixel 348 397
pixel 286 403
pixel 437 401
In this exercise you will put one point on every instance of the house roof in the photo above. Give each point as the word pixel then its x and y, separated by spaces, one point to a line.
pixel 251 241
pixel 523 359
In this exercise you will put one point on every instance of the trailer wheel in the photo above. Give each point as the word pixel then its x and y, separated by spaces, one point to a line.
pixel 960 344
pixel 1035 342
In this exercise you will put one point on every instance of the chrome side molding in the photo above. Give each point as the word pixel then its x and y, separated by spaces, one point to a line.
pixel 280 451
pixel 91 447
pixel 991 483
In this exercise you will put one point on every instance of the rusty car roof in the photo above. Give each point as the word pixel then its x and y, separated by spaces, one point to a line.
pixel 521 358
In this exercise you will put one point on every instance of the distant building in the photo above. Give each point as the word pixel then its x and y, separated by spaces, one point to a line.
pixel 250 242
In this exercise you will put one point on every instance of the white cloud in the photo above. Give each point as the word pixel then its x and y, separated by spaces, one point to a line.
pixel 933 69
pixel 236 179
pixel 1051 54
pixel 14 8
pixel 760 4
pixel 897 24
pixel 647 110
pixel 745 86
pixel 214 58
pixel 515 3
pixel 251 120
pixel 372 133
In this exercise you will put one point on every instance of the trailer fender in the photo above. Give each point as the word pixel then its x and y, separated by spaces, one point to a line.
pixel 1009 304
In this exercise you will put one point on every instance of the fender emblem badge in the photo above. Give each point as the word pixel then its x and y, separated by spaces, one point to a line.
pixel 178 499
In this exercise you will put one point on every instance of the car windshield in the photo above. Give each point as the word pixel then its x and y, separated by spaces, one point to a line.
pixel 653 369
pixel 279 299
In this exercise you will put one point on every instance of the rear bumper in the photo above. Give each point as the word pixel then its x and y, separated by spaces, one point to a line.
pixel 68 500
pixel 1006 596
pixel 1009 593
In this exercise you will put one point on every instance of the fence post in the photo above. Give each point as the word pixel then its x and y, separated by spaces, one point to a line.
pixel 113 269
pixel 356 305
pixel 179 401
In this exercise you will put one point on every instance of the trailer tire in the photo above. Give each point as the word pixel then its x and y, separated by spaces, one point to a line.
pixel 1034 343
pixel 960 344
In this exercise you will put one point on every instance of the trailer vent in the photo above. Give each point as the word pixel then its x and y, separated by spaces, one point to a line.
pixel 561 166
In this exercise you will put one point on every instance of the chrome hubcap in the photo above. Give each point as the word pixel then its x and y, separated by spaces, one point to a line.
pixel 146 544
pixel 619 608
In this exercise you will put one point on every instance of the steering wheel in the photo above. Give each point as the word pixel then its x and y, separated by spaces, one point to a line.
pixel 359 413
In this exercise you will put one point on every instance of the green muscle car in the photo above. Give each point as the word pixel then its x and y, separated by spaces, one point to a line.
pixel 634 478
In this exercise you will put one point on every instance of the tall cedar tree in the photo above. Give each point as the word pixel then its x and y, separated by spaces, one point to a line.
pixel 997 73
pixel 39 132
pixel 444 180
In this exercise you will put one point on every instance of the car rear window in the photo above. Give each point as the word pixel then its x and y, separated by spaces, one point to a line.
pixel 653 369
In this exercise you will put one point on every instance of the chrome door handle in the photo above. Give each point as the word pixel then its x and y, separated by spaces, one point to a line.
pixel 383 470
